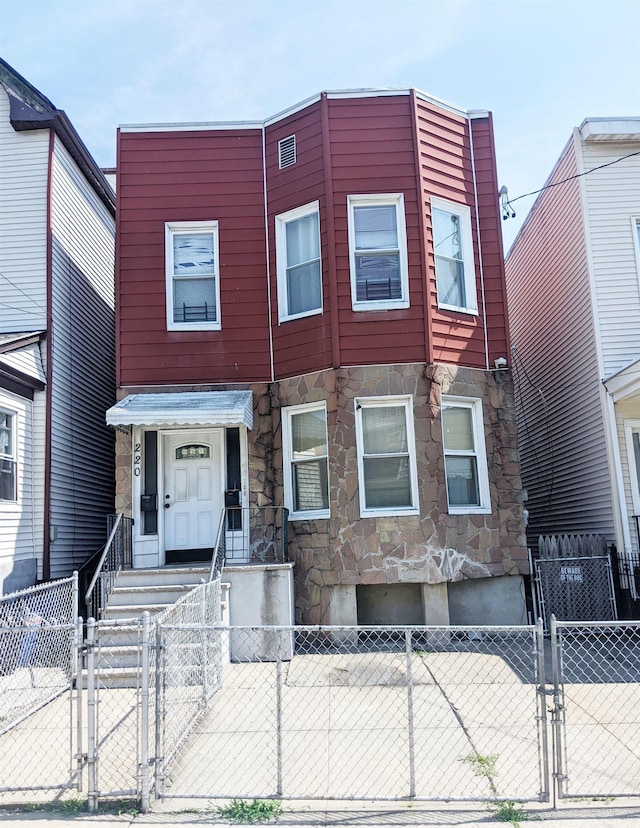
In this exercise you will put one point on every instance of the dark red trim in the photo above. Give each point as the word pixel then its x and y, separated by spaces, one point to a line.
pixel 426 298
pixel 46 544
pixel 331 234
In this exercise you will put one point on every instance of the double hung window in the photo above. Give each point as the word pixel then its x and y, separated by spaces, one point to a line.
pixel 298 262
pixel 8 489
pixel 305 451
pixel 453 248
pixel 465 456
pixel 193 284
pixel 632 434
pixel 386 456
pixel 378 252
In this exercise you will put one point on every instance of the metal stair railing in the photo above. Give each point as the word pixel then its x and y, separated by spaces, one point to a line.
pixel 115 555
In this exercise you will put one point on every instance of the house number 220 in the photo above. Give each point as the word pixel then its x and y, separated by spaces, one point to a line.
pixel 136 459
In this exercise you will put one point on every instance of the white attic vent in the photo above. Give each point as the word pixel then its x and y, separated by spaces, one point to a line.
pixel 287 152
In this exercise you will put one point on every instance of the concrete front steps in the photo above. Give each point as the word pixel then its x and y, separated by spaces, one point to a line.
pixel 138 591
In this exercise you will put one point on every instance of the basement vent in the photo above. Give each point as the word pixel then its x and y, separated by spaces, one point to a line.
pixel 287 152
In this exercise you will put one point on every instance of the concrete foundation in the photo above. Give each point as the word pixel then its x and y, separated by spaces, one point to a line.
pixel 260 596
pixel 488 601
pixel 395 605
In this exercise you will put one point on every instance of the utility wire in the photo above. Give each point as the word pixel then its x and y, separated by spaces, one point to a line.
pixel 521 366
pixel 30 298
pixel 508 202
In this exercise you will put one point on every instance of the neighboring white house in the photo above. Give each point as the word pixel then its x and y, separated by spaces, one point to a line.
pixel 57 373
pixel 573 285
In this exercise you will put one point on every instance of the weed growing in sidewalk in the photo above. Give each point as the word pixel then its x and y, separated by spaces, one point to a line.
pixel 260 810
pixel 509 812
pixel 484 767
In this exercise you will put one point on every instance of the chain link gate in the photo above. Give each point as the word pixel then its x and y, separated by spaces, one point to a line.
pixel 575 589
pixel 596 708
pixel 376 713
pixel 40 694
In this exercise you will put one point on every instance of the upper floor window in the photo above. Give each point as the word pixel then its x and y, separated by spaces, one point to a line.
pixel 465 456
pixel 453 249
pixel 306 461
pixel 193 283
pixel 8 489
pixel 387 470
pixel 298 262
pixel 378 252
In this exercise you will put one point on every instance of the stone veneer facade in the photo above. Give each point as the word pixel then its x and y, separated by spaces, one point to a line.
pixel 433 547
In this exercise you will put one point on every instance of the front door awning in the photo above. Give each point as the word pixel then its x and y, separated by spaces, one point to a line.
pixel 192 408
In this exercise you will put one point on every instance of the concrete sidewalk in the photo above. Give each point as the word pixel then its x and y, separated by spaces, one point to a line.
pixel 394 815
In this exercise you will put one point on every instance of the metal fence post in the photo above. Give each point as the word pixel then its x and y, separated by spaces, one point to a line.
pixel 92 794
pixel 556 716
pixel 159 760
pixel 144 713
pixel 278 713
pixel 412 752
pixel 542 693
pixel 78 680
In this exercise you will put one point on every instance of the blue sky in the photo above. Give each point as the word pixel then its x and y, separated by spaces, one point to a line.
pixel 540 66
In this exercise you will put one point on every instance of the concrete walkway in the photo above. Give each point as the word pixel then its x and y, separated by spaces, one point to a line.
pixel 611 815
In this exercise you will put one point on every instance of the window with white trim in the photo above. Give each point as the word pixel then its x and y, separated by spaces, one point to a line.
pixel 193 283
pixel 378 252
pixel 387 470
pixel 465 456
pixel 453 250
pixel 8 488
pixel 306 461
pixel 298 262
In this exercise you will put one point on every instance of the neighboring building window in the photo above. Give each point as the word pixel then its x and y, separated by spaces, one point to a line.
pixel 378 252
pixel 193 284
pixel 387 469
pixel 7 456
pixel 465 456
pixel 306 461
pixel 298 260
pixel 453 249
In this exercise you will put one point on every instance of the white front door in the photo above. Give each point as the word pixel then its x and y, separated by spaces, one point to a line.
pixel 193 489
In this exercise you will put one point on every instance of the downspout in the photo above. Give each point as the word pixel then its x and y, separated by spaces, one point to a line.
pixel 46 540
pixel 475 199
pixel 620 490
pixel 336 356
pixel 266 237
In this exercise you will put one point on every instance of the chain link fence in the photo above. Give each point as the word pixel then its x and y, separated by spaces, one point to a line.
pixel 596 675
pixel 371 713
pixel 186 672
pixel 40 733
pixel 184 706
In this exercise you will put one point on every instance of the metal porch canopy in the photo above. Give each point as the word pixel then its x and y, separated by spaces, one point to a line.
pixel 192 408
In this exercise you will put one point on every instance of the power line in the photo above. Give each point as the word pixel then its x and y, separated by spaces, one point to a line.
pixel 507 203
pixel 30 298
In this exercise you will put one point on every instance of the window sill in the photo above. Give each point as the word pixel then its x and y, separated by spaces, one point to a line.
pixel 380 306
pixel 194 326
pixel 392 512
pixel 315 312
pixel 470 510
pixel 456 309
pixel 324 514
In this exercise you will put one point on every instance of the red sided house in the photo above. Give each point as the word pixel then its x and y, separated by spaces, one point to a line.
pixel 311 355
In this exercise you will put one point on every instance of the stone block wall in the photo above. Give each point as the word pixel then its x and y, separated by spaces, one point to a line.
pixel 432 547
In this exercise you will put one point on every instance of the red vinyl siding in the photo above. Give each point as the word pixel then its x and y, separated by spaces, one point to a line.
pixel 301 345
pixel 372 152
pixel 349 146
pixel 191 176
